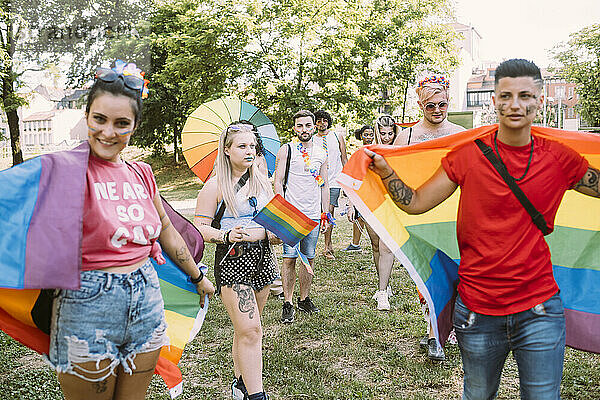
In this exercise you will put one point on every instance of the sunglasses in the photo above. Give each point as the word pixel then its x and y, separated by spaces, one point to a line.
pixel 442 105
pixel 108 75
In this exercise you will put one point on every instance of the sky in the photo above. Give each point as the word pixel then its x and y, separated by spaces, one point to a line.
pixel 525 28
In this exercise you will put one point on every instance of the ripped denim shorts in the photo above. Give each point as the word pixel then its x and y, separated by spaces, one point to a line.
pixel 112 316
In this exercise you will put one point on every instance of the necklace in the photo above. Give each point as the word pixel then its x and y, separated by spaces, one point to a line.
pixel 313 170
pixel 528 162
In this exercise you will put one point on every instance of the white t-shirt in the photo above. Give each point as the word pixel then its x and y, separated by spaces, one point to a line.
pixel 302 189
pixel 334 156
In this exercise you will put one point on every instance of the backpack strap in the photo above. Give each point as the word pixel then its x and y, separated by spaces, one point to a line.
pixel 536 216
pixel 216 222
pixel 287 168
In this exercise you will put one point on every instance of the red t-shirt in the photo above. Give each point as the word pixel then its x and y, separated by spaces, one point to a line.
pixel 120 221
pixel 505 262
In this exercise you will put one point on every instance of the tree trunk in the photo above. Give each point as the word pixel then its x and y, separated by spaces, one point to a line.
pixel 404 102
pixel 13 119
pixel 15 140
pixel 176 140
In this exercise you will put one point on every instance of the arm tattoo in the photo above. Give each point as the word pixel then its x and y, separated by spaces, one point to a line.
pixel 246 304
pixel 182 254
pixel 590 181
pixel 400 192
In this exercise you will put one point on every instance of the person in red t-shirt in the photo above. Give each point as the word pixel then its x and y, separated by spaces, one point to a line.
pixel 508 299
pixel 105 338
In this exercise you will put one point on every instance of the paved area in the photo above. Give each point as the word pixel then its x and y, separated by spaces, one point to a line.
pixel 184 207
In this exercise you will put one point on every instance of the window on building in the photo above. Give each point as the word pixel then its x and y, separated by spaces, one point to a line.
pixel 570 112
pixel 571 92
pixel 478 99
pixel 560 92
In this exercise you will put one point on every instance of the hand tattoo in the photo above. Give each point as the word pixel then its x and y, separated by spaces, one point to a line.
pixel 246 299
pixel 400 192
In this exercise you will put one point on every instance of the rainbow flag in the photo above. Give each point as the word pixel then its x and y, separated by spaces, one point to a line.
pixel 426 244
pixel 41 208
pixel 406 124
pixel 283 219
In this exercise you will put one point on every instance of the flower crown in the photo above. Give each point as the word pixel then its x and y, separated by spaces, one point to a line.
pixel 123 68
pixel 439 79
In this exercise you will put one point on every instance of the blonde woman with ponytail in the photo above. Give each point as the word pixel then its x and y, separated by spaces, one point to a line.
pixel 244 264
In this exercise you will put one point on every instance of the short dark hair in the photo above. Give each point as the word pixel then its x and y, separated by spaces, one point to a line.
pixel 322 114
pixel 517 67
pixel 303 113
pixel 359 132
pixel 116 88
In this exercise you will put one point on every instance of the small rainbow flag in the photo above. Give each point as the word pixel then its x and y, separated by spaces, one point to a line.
pixel 406 124
pixel 283 219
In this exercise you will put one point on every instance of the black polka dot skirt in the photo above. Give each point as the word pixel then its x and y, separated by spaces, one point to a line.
pixel 248 263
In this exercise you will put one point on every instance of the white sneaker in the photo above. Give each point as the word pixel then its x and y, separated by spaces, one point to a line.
pixel 389 291
pixel 383 303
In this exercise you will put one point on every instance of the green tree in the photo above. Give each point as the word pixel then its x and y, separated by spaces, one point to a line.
pixel 197 55
pixel 579 60
pixel 34 33
pixel 351 58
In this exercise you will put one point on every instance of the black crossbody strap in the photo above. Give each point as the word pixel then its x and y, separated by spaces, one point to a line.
pixel 536 216
pixel 216 222
pixel 287 168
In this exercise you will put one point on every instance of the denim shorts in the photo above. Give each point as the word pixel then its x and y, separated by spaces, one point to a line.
pixel 308 245
pixel 112 316
pixel 334 196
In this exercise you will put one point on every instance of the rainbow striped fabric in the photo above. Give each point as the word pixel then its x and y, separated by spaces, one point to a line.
pixel 426 244
pixel 41 208
pixel 283 219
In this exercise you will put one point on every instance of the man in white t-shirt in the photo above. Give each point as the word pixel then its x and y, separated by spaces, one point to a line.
pixel 334 145
pixel 306 187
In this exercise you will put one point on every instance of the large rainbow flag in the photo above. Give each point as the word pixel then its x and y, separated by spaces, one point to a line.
pixel 426 244
pixel 41 205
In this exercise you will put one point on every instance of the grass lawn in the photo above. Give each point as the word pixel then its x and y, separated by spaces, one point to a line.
pixel 347 351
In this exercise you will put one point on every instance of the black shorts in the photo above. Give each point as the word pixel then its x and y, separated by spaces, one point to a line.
pixel 248 263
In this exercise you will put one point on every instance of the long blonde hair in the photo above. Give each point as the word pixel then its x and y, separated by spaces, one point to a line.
pixel 381 121
pixel 257 181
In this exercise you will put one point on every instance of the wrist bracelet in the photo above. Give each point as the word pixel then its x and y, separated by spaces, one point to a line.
pixel 223 237
pixel 197 280
pixel 227 242
pixel 383 179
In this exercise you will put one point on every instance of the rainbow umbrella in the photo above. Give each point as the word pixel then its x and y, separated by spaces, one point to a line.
pixel 200 135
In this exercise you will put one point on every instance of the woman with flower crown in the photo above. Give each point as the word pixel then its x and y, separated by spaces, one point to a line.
pixel 244 263
pixel 106 337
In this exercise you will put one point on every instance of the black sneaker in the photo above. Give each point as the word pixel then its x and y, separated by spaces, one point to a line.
pixel 287 313
pixel 307 306
pixel 238 389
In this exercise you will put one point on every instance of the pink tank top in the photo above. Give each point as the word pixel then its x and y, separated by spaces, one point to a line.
pixel 120 223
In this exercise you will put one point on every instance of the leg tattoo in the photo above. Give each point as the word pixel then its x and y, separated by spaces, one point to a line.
pixel 99 387
pixel 246 304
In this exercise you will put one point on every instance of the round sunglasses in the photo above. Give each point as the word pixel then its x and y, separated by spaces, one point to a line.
pixel 442 105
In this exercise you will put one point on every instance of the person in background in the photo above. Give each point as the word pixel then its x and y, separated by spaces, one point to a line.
pixel 244 264
pixel 386 132
pixel 306 187
pixel 105 338
pixel 433 101
pixel 334 145
pixel 366 135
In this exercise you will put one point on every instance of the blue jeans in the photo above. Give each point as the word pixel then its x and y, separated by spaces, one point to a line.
pixel 535 336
